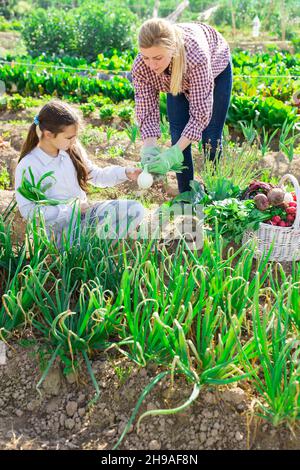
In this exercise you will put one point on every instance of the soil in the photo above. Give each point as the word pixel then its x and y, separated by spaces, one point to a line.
pixel 62 418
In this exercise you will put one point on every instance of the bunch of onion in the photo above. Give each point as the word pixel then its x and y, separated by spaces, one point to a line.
pixel 35 192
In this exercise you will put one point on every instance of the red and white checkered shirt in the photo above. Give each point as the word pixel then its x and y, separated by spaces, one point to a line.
pixel 207 55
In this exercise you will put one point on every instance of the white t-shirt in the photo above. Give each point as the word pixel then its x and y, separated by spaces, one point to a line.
pixel 66 185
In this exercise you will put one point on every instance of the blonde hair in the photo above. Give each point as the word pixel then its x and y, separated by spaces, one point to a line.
pixel 160 32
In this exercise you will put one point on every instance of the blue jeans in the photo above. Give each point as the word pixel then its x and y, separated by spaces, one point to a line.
pixel 178 115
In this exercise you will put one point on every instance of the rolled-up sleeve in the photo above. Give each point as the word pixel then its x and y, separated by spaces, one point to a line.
pixel 106 177
pixel 103 177
pixel 146 98
pixel 200 99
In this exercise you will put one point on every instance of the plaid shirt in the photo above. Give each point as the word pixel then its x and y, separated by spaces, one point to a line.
pixel 207 55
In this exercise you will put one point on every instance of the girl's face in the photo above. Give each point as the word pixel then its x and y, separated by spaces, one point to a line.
pixel 64 140
pixel 157 58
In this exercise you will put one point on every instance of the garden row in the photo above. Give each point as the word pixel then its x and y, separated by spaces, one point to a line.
pixel 263 111
pixel 211 320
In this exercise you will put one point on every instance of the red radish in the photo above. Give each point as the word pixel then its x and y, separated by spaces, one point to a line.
pixel 290 218
pixel 294 196
pixel 282 224
pixel 291 210
pixel 276 219
pixel 293 204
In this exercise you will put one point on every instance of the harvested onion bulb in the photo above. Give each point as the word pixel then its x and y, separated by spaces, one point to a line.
pixel 145 179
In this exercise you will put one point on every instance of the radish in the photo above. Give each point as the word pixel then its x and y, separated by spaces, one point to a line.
pixel 291 210
pixel 276 219
pixel 261 202
pixel 276 196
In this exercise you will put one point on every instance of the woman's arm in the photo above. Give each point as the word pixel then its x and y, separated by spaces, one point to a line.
pixel 201 102
pixel 183 143
pixel 150 142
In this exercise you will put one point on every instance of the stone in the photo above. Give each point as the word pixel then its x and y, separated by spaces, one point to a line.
pixel 62 419
pixel 209 398
pixel 69 423
pixel 210 442
pixel 235 396
pixel 32 405
pixel 111 432
pixel 81 398
pixel 154 445
pixel 71 408
pixel 52 382
pixel 239 436
pixel 52 405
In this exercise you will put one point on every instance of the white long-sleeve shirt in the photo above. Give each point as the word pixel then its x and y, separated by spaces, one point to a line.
pixel 66 185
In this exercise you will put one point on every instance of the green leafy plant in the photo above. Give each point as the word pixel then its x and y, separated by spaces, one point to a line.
pixel 126 113
pixel 132 131
pixel 4 178
pixel 106 112
pixel 87 109
pixel 266 140
pixel 287 139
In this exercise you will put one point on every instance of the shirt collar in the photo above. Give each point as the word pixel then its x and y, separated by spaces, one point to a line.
pixel 46 159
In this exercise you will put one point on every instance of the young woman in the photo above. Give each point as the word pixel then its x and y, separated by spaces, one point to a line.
pixel 52 145
pixel 191 63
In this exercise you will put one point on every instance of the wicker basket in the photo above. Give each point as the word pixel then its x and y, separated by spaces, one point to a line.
pixel 286 239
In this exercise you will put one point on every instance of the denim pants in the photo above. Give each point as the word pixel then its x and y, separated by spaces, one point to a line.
pixel 178 115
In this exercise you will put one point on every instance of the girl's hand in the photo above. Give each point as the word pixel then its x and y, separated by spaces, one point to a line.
pixel 84 206
pixel 133 173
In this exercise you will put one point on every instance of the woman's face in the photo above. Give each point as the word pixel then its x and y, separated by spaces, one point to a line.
pixel 157 58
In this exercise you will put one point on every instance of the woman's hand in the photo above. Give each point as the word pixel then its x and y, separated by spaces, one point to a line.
pixel 170 159
pixel 133 173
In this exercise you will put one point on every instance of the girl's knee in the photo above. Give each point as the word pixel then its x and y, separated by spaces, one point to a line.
pixel 136 209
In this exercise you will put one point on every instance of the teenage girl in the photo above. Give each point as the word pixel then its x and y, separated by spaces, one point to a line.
pixel 52 145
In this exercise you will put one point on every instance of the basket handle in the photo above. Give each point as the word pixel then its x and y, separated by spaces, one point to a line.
pixel 295 183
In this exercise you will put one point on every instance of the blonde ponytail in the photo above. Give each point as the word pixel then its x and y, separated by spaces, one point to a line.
pixel 160 32
pixel 179 63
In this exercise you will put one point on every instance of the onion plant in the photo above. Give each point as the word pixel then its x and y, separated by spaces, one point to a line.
pixel 72 325
pixel 276 375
